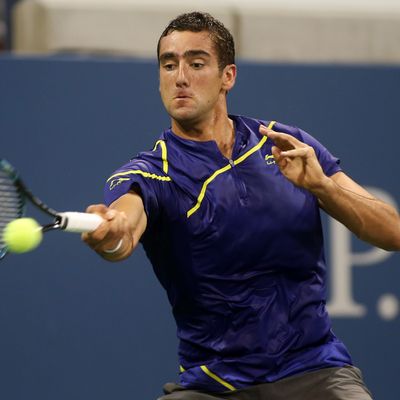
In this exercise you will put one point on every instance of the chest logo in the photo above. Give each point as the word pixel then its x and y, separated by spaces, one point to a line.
pixel 269 159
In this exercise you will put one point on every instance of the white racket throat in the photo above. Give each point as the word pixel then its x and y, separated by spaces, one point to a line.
pixel 79 222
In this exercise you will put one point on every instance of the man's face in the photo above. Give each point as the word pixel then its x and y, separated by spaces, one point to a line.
pixel 191 84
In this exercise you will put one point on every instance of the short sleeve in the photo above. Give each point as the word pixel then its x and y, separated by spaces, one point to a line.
pixel 329 163
pixel 136 174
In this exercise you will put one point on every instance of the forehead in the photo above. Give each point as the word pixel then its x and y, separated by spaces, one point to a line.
pixel 181 42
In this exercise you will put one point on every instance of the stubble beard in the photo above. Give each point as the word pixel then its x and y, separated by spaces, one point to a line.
pixel 186 118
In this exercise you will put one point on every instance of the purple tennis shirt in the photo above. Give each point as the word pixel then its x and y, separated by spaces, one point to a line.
pixel 239 250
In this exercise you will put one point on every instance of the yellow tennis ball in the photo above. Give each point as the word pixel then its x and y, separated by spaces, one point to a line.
pixel 22 235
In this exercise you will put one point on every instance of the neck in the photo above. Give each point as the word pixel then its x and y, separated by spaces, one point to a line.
pixel 217 127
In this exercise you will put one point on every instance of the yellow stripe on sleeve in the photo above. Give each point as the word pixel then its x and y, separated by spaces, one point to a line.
pixel 217 378
pixel 143 173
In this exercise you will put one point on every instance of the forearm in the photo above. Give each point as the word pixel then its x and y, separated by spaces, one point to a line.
pixel 370 219
pixel 367 217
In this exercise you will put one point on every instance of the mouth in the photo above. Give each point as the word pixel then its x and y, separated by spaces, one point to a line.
pixel 182 96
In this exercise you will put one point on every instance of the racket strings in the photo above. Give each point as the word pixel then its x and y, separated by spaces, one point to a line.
pixel 11 203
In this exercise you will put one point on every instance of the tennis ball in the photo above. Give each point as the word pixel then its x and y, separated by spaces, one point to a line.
pixel 22 235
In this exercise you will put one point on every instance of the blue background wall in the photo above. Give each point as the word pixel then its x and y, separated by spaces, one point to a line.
pixel 75 326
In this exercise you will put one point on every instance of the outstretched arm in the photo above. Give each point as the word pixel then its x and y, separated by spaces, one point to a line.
pixel 368 218
pixel 124 223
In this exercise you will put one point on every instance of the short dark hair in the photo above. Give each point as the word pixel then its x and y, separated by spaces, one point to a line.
pixel 198 22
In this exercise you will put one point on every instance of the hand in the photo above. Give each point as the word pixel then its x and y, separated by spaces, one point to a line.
pixel 110 232
pixel 296 160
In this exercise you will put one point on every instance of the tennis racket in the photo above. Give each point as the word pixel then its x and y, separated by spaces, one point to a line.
pixel 13 197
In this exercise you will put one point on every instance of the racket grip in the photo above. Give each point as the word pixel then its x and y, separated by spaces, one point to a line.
pixel 79 222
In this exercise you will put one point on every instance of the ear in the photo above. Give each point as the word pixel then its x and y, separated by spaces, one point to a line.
pixel 229 77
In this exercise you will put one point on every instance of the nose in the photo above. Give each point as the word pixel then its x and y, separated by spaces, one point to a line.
pixel 182 78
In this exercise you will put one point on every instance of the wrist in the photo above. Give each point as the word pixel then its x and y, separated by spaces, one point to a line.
pixel 114 249
pixel 324 187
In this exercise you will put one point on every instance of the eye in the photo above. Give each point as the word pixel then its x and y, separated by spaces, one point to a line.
pixel 169 66
pixel 197 65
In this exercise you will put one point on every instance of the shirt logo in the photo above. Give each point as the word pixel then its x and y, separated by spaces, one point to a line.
pixel 116 182
pixel 269 159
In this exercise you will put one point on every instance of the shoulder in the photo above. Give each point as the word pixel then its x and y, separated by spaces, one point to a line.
pixel 149 165
pixel 292 130
pixel 253 124
pixel 150 161
pixel 278 126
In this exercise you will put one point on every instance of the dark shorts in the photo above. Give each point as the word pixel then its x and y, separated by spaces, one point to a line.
pixel 326 384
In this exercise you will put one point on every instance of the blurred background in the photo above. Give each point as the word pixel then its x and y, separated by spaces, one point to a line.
pixel 347 31
pixel 79 97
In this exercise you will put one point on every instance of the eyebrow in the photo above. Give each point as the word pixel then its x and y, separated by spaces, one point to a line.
pixel 187 54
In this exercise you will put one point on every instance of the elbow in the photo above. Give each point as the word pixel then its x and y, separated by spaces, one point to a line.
pixel 388 242
pixel 394 246
pixel 392 243
pixel 396 238
pixel 386 235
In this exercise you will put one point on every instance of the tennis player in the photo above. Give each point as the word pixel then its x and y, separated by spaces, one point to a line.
pixel 228 210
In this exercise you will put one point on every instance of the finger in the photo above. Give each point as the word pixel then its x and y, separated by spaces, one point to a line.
pixel 110 214
pixel 284 140
pixel 281 140
pixel 96 209
pixel 117 228
pixel 263 130
pixel 303 152
pixel 99 232
pixel 98 235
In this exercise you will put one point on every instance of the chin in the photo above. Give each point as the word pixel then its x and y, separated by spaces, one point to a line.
pixel 183 115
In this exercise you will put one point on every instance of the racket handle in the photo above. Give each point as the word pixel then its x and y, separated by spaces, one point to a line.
pixel 79 222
